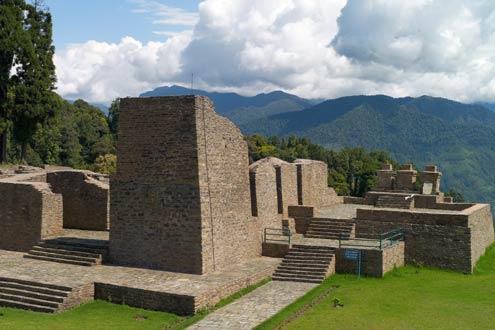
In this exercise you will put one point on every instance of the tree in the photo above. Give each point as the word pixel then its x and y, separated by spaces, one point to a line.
pixel 457 196
pixel 26 69
pixel 10 36
pixel 113 117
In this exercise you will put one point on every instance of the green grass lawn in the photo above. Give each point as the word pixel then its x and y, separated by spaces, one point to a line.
pixel 103 315
pixel 406 298
pixel 95 315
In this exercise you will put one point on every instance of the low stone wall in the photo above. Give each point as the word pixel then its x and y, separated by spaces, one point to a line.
pixel 373 262
pixel 446 240
pixel 86 202
pixel 29 212
pixel 274 250
pixel 146 299
pixel 482 231
pixel 78 296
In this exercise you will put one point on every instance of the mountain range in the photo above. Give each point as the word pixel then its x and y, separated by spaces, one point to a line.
pixel 459 137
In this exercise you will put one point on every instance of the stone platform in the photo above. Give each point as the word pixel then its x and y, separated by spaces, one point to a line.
pixel 159 290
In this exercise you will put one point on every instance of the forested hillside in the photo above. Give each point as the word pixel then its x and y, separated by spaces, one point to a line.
pixel 458 137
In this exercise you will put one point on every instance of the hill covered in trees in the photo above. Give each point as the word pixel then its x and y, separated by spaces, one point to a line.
pixel 458 137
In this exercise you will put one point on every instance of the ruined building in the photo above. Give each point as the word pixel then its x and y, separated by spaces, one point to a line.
pixel 186 220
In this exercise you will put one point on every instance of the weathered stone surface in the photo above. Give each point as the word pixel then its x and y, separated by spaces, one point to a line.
pixel 273 185
pixel 312 184
pixel 180 199
pixel 86 200
pixel 29 212
pixel 439 238
pixel 374 262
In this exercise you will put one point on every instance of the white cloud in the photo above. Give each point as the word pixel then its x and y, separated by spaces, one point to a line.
pixel 314 48
pixel 165 15
pixel 100 71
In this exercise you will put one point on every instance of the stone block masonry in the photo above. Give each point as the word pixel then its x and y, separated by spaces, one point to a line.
pixel 312 184
pixel 445 239
pixel 86 202
pixel 180 199
pixel 29 212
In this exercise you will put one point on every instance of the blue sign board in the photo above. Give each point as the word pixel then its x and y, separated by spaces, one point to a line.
pixel 354 255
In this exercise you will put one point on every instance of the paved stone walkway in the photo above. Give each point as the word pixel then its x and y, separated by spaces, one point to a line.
pixel 255 307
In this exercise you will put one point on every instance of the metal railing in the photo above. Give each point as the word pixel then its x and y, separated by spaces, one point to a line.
pixel 377 241
pixel 277 235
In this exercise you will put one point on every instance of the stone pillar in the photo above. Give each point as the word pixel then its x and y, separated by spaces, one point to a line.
pixel 385 178
pixel 433 176
pixel 180 199
pixel 406 178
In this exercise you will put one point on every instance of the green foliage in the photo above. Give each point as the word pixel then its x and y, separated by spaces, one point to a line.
pixel 113 117
pixel 426 130
pixel 27 69
pixel 106 164
pixel 456 195
pixel 351 171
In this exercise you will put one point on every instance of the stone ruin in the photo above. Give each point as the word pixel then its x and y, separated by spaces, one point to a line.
pixel 185 206
pixel 39 203
pixel 188 201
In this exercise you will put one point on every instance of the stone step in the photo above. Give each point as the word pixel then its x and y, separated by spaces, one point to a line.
pixel 284 272
pixel 333 221
pixel 67 252
pixel 310 270
pixel 63 256
pixel 31 294
pixel 30 288
pixel 57 288
pixel 309 275
pixel 312 247
pixel 303 265
pixel 28 300
pixel 329 231
pixel 21 305
pixel 331 224
pixel 311 254
pixel 334 237
pixel 60 260
pixel 71 247
pixel 296 279
pixel 307 258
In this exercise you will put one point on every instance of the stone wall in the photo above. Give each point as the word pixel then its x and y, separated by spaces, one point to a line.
pixel 373 262
pixel 229 232
pixel 29 212
pixel 312 184
pixel 86 200
pixel 445 240
pixel 265 201
pixel 180 199
pixel 482 232
pixel 273 189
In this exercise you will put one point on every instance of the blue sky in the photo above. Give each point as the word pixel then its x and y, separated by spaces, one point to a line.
pixel 311 48
pixel 107 20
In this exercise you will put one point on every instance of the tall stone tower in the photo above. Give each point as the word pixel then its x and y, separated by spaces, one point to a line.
pixel 180 199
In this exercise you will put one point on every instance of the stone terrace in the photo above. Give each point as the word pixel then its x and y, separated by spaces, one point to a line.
pixel 190 292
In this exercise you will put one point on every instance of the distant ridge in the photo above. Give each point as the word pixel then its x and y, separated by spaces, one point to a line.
pixel 241 108
pixel 459 137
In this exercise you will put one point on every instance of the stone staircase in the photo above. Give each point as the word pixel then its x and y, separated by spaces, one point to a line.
pixel 39 297
pixel 305 263
pixel 330 229
pixel 75 252
pixel 396 202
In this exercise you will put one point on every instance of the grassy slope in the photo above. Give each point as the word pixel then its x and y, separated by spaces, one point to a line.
pixel 407 298
pixel 103 315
